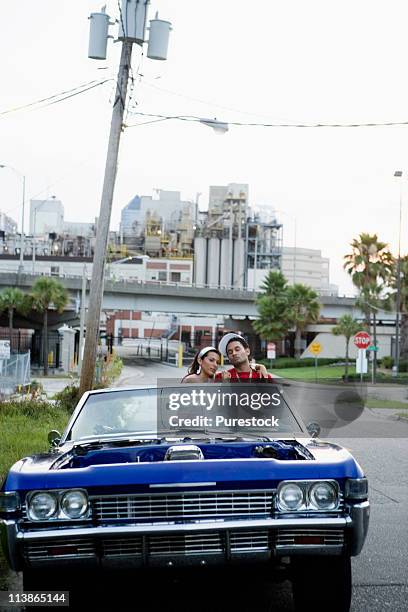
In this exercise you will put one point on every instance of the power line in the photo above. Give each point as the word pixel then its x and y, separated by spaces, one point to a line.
pixel 200 101
pixel 273 125
pixel 75 91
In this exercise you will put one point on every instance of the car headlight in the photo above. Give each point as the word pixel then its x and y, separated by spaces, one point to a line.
pixel 290 497
pixel 74 504
pixel 323 496
pixel 42 506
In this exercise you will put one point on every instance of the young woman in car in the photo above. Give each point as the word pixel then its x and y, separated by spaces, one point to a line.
pixel 204 366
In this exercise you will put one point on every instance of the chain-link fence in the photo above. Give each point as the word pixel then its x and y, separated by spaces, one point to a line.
pixel 14 372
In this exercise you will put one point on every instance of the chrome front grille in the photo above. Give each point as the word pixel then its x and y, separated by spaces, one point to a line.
pixel 123 548
pixel 242 541
pixel 302 537
pixel 182 506
pixel 160 548
pixel 74 548
pixel 185 544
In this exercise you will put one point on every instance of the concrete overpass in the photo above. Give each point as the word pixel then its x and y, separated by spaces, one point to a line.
pixel 181 299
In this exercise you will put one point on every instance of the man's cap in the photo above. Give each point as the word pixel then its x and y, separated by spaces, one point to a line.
pixel 226 339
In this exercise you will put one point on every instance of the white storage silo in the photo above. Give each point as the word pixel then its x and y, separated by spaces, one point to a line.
pixel 213 262
pixel 200 260
pixel 239 262
pixel 225 266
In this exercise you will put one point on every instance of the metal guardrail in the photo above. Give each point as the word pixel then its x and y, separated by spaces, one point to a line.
pixel 136 281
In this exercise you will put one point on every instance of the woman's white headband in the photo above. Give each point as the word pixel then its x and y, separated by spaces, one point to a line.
pixel 206 350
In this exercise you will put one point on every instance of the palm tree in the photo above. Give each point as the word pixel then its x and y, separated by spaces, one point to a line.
pixel 370 265
pixel 392 303
pixel 272 305
pixel 347 327
pixel 304 308
pixel 48 292
pixel 13 299
pixel 274 283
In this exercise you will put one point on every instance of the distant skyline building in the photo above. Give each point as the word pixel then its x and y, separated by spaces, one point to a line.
pixel 7 224
pixel 46 216
pixel 131 219
pixel 298 265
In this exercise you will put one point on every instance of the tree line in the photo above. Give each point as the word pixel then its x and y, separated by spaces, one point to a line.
pixel 46 293
pixel 374 273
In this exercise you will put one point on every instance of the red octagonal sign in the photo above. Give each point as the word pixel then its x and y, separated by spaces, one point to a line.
pixel 362 340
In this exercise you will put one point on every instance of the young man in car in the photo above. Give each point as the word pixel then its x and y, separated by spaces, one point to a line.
pixel 236 348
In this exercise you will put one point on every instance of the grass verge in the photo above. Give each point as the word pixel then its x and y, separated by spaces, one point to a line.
pixel 24 427
pixel 380 403
pixel 308 373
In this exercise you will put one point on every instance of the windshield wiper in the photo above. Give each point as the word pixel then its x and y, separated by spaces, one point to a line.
pixel 81 448
pixel 208 435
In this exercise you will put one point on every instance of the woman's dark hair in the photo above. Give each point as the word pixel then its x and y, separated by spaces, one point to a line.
pixel 193 369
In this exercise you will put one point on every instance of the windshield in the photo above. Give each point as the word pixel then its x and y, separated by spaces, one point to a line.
pixel 235 408
pixel 239 409
pixel 117 412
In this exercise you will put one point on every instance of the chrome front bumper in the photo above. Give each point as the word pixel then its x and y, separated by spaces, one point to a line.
pixel 202 543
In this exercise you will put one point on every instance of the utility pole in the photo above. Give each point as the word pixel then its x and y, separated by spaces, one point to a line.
pixel 102 234
pixel 133 15
pixel 82 319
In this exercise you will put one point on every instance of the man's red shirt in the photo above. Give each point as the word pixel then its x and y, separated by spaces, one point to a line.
pixel 241 375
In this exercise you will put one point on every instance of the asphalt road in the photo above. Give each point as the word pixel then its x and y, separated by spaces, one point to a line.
pixel 380 576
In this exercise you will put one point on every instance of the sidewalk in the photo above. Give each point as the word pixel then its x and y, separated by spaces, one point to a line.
pixel 53 384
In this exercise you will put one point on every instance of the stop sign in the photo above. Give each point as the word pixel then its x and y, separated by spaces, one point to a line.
pixel 362 340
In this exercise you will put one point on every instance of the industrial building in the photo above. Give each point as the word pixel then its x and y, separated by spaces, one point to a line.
pixel 230 240
pixel 160 226
pixel 140 268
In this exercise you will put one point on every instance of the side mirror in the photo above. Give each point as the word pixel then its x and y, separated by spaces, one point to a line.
pixel 313 429
pixel 54 437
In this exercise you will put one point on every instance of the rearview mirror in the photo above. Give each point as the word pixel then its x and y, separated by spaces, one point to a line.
pixel 54 437
pixel 313 429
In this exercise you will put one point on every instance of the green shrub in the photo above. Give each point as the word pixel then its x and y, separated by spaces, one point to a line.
pixel 111 368
pixel 403 366
pixel 31 408
pixel 387 362
pixel 68 398
pixel 380 378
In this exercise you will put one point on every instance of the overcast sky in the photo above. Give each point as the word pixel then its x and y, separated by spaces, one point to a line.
pixel 265 61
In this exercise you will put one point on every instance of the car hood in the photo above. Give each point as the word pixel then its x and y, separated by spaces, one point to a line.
pixel 231 464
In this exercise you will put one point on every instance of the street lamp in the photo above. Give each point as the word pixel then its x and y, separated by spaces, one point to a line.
pixel 21 264
pixel 398 174
pixel 219 127
pixel 36 208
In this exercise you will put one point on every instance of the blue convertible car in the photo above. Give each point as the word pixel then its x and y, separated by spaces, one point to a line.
pixel 185 476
